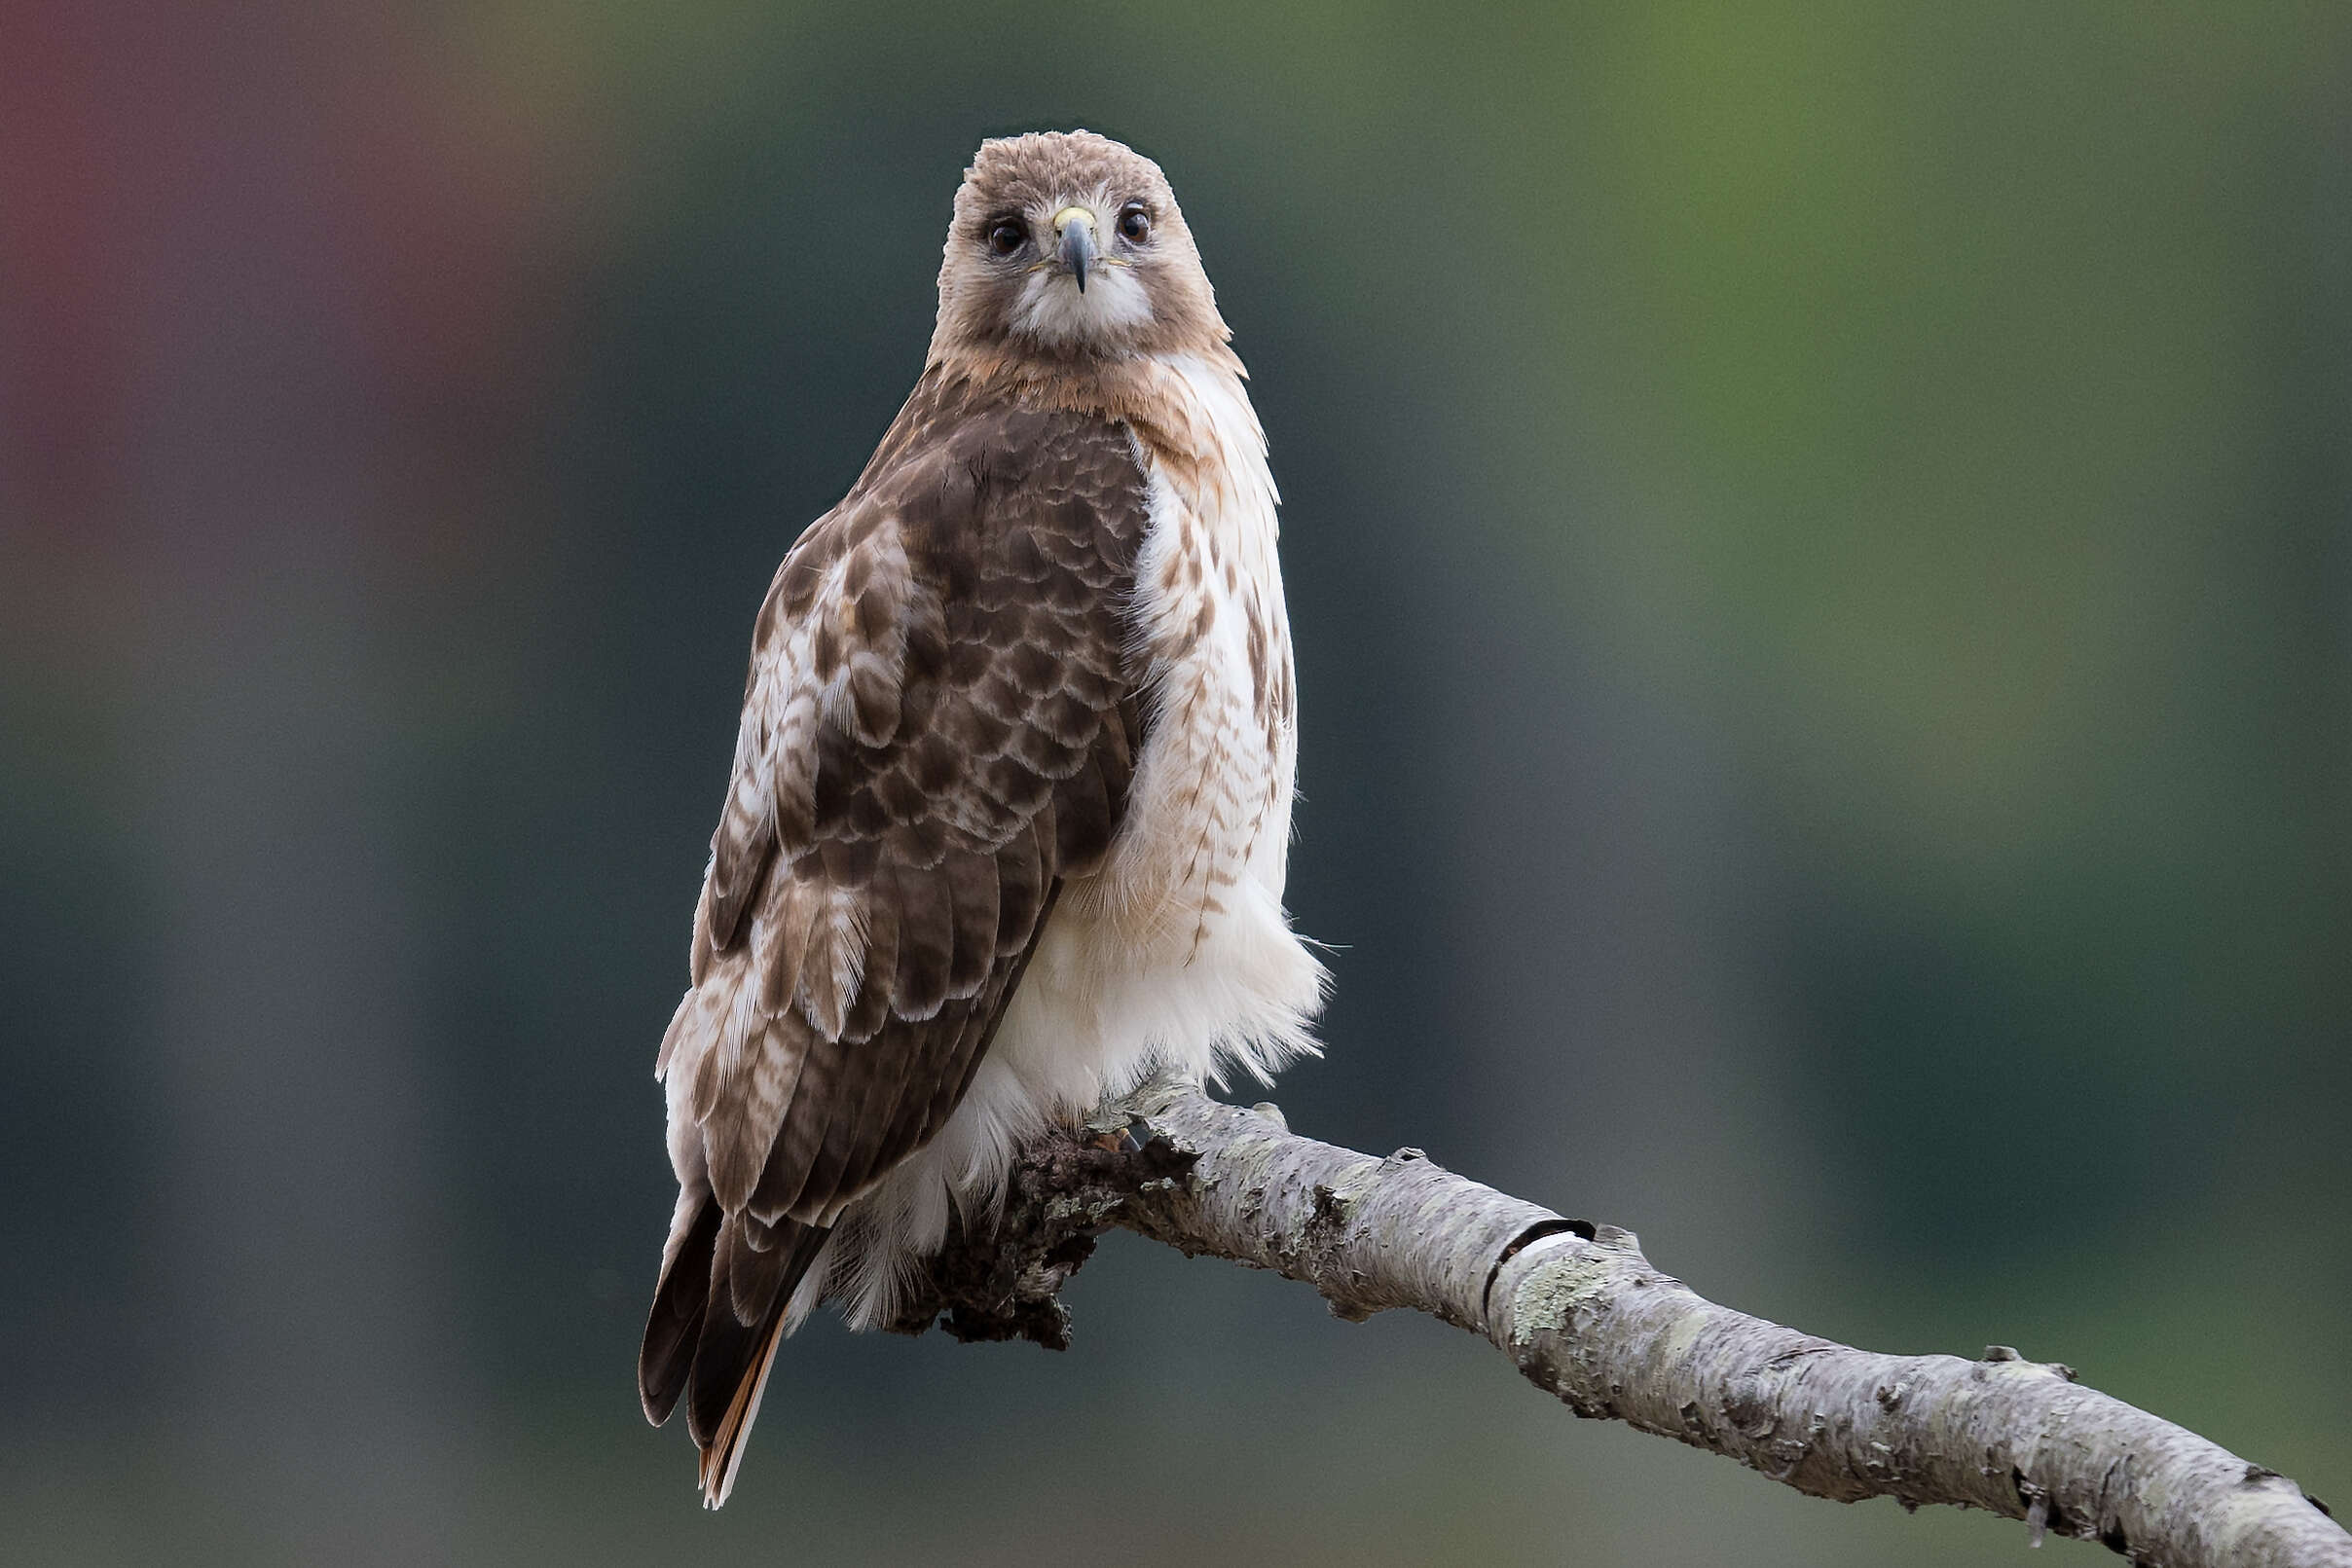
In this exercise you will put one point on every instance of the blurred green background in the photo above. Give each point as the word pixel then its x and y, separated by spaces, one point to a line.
pixel 1820 546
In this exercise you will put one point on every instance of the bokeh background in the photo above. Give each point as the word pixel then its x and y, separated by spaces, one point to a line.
pixel 1820 545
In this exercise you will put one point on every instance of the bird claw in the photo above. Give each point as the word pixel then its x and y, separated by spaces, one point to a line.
pixel 1127 1140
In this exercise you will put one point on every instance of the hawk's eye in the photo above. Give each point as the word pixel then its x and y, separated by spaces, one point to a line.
pixel 1006 235
pixel 1134 223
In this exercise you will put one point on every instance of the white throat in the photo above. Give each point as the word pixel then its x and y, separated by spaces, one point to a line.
pixel 1054 312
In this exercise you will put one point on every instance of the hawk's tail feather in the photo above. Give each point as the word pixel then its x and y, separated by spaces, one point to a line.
pixel 675 1324
pixel 731 1358
pixel 725 1451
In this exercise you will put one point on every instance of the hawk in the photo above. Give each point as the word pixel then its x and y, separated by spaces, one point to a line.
pixel 1010 813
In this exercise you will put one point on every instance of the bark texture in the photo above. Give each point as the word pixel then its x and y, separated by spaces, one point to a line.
pixel 1585 1317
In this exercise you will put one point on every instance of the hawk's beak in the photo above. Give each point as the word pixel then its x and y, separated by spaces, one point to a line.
pixel 1076 228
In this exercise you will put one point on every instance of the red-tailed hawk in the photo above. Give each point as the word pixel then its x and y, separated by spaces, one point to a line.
pixel 1010 806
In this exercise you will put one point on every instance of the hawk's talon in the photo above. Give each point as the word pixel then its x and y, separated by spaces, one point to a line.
pixel 1132 1139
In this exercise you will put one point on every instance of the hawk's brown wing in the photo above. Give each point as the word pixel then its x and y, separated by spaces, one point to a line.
pixel 939 725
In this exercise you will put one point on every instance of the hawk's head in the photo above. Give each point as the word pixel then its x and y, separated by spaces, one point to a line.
pixel 1067 244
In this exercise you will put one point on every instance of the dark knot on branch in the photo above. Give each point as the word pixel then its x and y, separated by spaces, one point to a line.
pixel 999 1275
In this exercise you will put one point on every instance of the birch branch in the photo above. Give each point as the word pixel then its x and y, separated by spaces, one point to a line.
pixel 1587 1318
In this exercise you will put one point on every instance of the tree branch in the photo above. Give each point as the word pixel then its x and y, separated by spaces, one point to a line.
pixel 1585 1317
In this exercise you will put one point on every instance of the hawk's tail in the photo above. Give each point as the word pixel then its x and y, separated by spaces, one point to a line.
pixel 718 1314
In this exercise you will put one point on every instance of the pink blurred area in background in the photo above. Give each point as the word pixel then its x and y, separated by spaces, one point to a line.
pixel 285 296
pixel 232 230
